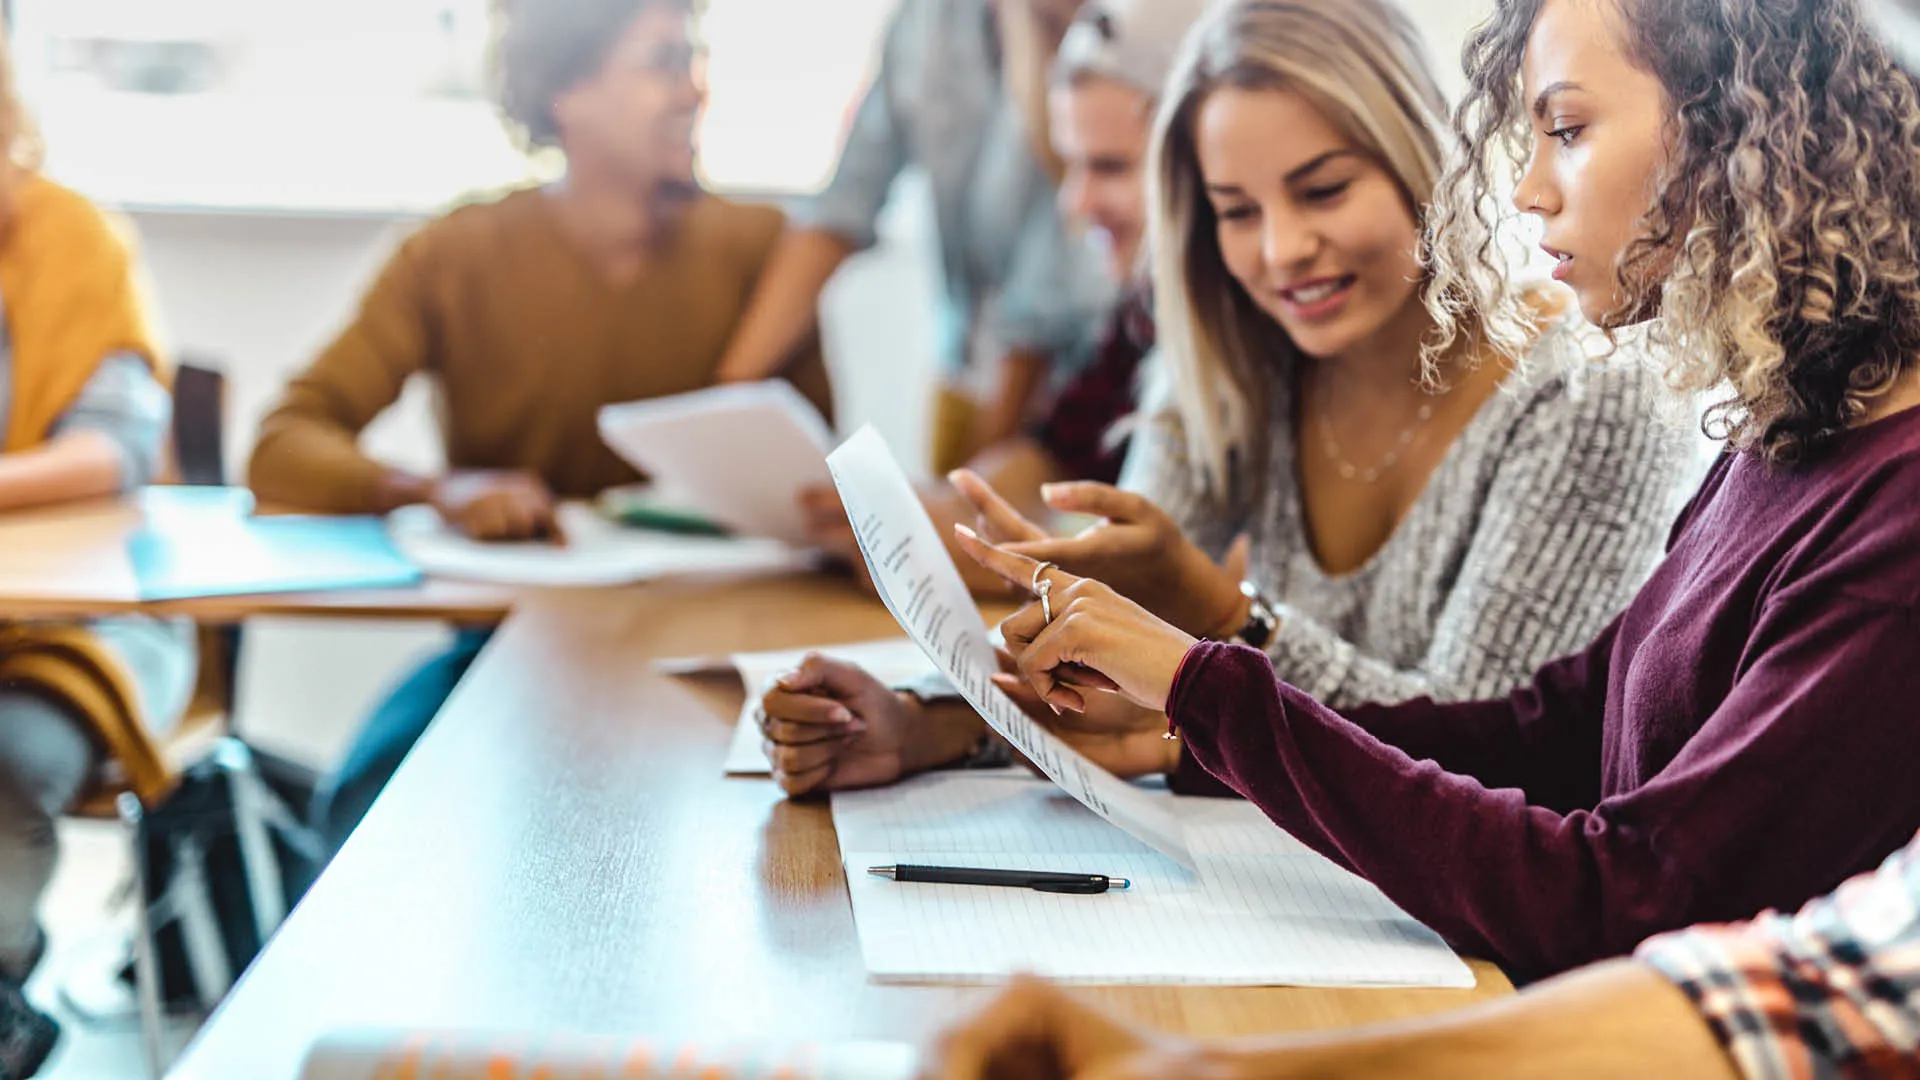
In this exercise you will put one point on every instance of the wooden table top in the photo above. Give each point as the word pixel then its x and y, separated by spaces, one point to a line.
pixel 71 562
pixel 562 852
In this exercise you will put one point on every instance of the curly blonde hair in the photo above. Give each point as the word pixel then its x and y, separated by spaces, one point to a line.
pixel 1786 209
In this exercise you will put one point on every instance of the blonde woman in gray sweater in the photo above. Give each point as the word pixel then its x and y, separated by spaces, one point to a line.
pixel 1386 518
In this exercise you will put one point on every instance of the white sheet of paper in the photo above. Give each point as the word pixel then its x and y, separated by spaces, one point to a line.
pixel 737 454
pixel 598 553
pixel 893 661
pixel 374 1054
pixel 920 585
pixel 1262 910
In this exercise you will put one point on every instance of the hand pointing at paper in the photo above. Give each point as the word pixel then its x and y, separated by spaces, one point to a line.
pixel 1096 639
pixel 1136 548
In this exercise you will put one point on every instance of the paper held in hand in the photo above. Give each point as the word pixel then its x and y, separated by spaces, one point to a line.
pixel 920 585
pixel 739 454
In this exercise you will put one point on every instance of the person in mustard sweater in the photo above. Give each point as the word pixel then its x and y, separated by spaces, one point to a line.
pixel 84 413
pixel 623 280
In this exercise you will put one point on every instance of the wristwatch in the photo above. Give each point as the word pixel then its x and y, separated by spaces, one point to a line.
pixel 1261 619
pixel 989 751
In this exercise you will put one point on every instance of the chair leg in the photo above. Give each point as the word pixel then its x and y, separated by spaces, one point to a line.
pixel 259 864
pixel 192 907
pixel 146 962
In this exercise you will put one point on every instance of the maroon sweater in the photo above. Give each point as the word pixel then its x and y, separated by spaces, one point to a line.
pixel 1746 735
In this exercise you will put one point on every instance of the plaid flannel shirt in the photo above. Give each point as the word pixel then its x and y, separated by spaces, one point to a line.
pixel 1833 991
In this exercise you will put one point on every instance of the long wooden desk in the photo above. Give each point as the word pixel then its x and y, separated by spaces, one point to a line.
pixel 71 562
pixel 561 851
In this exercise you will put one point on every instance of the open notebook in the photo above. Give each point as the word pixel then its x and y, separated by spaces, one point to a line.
pixel 198 542
pixel 397 1055
pixel 1262 909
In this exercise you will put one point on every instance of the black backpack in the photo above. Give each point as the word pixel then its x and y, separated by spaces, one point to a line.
pixel 219 863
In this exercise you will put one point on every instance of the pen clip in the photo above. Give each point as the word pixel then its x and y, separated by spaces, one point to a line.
pixel 1076 888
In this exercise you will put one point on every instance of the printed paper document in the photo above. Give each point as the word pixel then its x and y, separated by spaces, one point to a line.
pixel 920 585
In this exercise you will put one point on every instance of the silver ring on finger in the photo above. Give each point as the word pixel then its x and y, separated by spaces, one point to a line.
pixel 1043 588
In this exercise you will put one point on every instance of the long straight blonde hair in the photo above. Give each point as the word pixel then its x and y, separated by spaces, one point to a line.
pixel 1364 66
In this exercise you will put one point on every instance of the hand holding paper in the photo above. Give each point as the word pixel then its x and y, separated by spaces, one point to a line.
pixel 738 454
pixel 922 588
pixel 1119 736
pixel 1095 640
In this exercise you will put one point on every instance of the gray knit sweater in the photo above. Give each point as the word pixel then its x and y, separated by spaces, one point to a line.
pixel 1539 524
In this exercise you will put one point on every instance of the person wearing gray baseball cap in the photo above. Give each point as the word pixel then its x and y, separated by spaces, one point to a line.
pixel 1108 75
pixel 1105 87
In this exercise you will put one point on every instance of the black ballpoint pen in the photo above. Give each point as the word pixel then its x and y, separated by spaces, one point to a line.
pixel 1040 880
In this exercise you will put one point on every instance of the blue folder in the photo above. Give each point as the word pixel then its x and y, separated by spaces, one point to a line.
pixel 203 542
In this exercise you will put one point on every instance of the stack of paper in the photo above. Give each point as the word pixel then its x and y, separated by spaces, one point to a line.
pixel 598 552
pixel 1262 910
pixel 397 1055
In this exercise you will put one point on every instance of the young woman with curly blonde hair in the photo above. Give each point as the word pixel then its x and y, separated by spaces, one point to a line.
pixel 1741 180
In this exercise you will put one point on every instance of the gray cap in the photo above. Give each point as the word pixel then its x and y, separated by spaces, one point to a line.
pixel 1132 41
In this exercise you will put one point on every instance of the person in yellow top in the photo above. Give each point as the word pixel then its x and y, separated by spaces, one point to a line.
pixel 621 281
pixel 84 412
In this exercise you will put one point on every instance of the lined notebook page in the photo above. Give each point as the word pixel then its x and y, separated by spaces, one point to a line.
pixel 1262 910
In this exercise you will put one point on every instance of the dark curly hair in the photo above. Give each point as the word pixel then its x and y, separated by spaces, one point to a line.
pixel 543 48
pixel 1787 209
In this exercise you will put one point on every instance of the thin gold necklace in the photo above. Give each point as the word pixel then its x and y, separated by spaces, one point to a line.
pixel 1370 474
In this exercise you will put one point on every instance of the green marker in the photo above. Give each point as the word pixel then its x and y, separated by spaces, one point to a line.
pixel 641 512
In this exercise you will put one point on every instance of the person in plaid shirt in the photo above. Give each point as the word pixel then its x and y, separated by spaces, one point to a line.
pixel 1832 993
